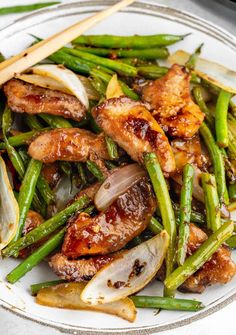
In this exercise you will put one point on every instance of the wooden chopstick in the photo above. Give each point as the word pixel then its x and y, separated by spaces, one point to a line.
pixel 43 49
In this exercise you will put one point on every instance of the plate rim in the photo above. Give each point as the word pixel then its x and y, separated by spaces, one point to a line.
pixel 172 14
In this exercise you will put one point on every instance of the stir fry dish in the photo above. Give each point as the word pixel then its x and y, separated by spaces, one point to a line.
pixel 118 168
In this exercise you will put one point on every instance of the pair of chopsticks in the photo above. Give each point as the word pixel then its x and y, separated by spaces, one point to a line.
pixel 43 49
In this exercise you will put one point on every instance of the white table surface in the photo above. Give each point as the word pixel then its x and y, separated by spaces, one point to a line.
pixel 217 323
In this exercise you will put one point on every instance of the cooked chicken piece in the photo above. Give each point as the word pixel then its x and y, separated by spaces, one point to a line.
pixel 219 269
pixel 68 144
pixel 27 98
pixel 172 105
pixel 51 174
pixel 130 124
pixel 32 221
pixel 112 229
pixel 78 270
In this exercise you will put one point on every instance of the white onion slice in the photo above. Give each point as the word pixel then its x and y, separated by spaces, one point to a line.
pixel 66 77
pixel 68 296
pixel 127 274
pixel 9 209
pixel 47 82
pixel 213 72
pixel 116 184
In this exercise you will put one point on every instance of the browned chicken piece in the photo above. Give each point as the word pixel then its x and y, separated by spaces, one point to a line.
pixel 188 151
pixel 112 229
pixel 78 270
pixel 130 124
pixel 32 221
pixel 219 269
pixel 27 98
pixel 51 174
pixel 172 105
pixel 68 144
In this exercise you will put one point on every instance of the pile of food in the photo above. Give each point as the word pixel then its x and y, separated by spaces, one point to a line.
pixel 118 170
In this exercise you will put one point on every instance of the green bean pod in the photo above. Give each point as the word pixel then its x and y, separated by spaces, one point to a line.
pixel 197 93
pixel 32 122
pixel 185 212
pixel 201 256
pixel 142 301
pixel 112 148
pixel 221 125
pixel 123 69
pixel 36 257
pixel 164 202
pixel 27 191
pixel 218 163
pixel 55 121
pixel 149 54
pixel 25 8
pixel 130 42
pixel 155 226
pixel 95 170
pixel 211 201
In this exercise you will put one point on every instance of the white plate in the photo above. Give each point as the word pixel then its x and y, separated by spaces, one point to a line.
pixel 141 18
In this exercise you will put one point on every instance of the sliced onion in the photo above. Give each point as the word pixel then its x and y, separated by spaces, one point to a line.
pixel 68 296
pixel 66 77
pixel 47 82
pixel 9 209
pixel 127 274
pixel 116 184
pixel 213 72
pixel 114 89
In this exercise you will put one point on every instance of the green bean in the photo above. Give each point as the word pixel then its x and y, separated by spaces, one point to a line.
pixel 142 301
pixel 211 201
pixel 232 135
pixel 218 163
pixel 164 202
pixel 32 122
pixel 232 192
pixel 36 257
pixel 35 288
pixel 99 86
pixel 201 255
pixel 27 192
pixel 191 63
pixel 153 53
pixel 152 71
pixel 197 93
pixel 95 170
pixel 185 212
pixel 81 173
pixel 221 112
pixel 136 42
pixel 23 138
pixel 13 155
pixel 232 242
pixel 45 190
pixel 123 69
pixel 155 226
pixel 25 8
pixel 38 205
pixel 112 148
pixel 46 228
pixel 106 78
pixel 55 121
